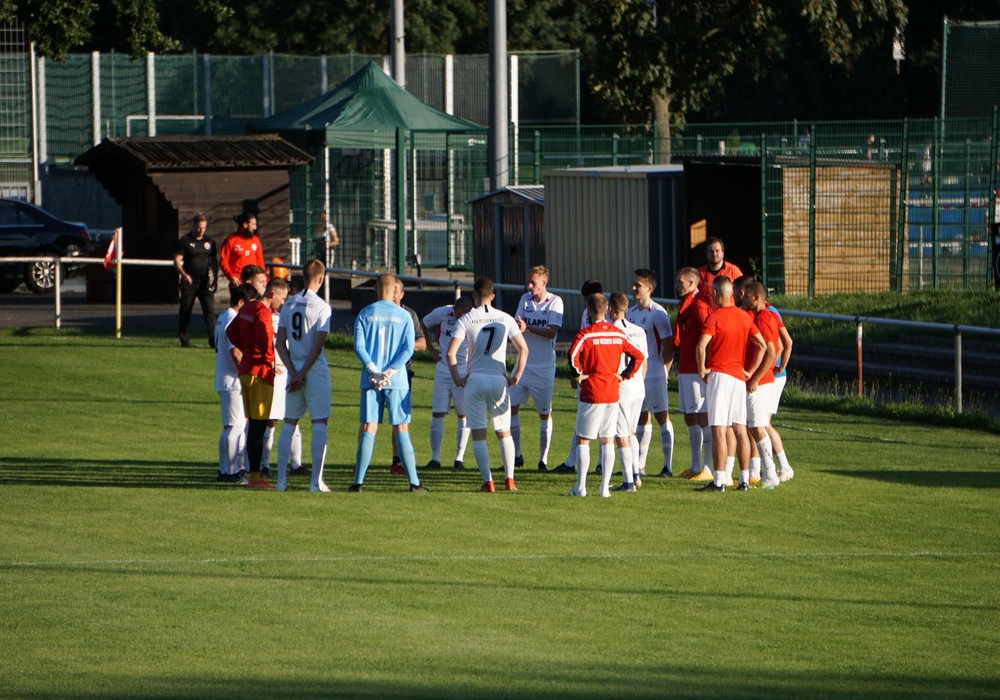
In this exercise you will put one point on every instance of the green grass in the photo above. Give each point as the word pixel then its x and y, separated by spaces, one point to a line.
pixel 125 570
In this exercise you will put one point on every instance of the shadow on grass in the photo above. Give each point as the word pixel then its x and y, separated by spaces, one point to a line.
pixel 950 479
pixel 554 682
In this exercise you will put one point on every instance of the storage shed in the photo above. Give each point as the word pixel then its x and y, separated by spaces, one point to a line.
pixel 508 234
pixel 603 223
pixel 162 182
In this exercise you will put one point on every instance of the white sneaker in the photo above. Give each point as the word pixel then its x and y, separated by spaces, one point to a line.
pixel 605 493
pixel 638 482
pixel 786 474
pixel 322 487
pixel 282 486
pixel 576 492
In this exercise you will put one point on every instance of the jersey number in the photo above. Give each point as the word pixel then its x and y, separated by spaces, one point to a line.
pixel 489 343
pixel 297 325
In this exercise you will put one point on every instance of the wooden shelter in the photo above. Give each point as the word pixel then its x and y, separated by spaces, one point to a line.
pixel 162 182
pixel 509 233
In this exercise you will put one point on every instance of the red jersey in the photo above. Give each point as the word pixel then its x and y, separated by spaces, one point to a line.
pixel 767 322
pixel 708 277
pixel 237 252
pixel 694 310
pixel 597 352
pixel 252 331
pixel 730 329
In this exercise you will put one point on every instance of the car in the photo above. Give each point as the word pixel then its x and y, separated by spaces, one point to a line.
pixel 26 230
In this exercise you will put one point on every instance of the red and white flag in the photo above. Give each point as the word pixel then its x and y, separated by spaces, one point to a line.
pixel 110 258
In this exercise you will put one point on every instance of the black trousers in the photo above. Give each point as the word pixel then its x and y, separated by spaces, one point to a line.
pixel 190 292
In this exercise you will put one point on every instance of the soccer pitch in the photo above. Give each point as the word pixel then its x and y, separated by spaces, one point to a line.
pixel 126 570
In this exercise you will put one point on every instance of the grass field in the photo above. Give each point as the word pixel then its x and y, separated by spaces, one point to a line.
pixel 125 570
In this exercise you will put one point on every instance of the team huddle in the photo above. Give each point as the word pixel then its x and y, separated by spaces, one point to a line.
pixel 733 352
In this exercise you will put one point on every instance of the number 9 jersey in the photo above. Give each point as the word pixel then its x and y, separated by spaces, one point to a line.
pixel 486 331
pixel 304 316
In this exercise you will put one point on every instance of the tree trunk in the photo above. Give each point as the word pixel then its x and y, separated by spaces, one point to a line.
pixel 661 118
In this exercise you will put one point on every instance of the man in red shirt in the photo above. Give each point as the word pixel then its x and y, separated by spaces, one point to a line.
pixel 717 266
pixel 252 332
pixel 693 312
pixel 241 247
pixel 720 354
pixel 595 356
pixel 762 400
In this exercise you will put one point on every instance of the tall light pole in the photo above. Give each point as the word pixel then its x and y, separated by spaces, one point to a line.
pixel 398 48
pixel 499 109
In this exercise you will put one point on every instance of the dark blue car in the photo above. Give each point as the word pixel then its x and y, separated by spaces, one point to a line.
pixel 26 230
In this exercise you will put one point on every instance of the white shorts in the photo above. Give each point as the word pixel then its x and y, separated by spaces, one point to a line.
pixel 760 405
pixel 278 398
pixel 314 396
pixel 628 416
pixel 444 393
pixel 487 402
pixel 538 387
pixel 232 409
pixel 691 390
pixel 779 385
pixel 727 400
pixel 656 394
pixel 596 420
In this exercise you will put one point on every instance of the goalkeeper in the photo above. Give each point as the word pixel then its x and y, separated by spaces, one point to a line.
pixel 383 341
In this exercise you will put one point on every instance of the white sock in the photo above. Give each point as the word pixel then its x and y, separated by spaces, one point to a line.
pixel 755 467
pixel 318 449
pixel 782 460
pixel 608 462
pixel 284 448
pixel 295 455
pixel 667 442
pixel 515 434
pixel 633 443
pixel 695 437
pixel 730 463
pixel 233 449
pixel 706 446
pixel 582 467
pixel 544 439
pixel 482 455
pixel 720 478
pixel 437 437
pixel 461 438
pixel 243 446
pixel 265 457
pixel 764 448
pixel 645 434
pixel 507 456
pixel 744 476
pixel 625 455
pixel 224 451
pixel 571 459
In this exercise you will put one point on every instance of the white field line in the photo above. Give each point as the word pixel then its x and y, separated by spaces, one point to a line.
pixel 488 557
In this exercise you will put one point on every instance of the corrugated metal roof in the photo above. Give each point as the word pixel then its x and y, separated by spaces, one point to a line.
pixel 199 152
pixel 533 193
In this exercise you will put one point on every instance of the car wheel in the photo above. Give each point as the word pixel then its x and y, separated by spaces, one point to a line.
pixel 41 276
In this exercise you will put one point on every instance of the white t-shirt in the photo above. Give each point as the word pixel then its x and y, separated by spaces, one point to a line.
pixel 635 386
pixel 227 377
pixel 486 330
pixel 304 316
pixel 653 319
pixel 444 318
pixel 539 314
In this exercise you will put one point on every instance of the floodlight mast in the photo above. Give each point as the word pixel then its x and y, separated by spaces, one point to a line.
pixel 499 109
pixel 398 47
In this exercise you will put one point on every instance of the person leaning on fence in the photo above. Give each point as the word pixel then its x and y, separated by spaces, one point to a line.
pixel 197 262
pixel 241 247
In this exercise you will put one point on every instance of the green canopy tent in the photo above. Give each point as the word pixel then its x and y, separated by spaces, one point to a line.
pixel 370 111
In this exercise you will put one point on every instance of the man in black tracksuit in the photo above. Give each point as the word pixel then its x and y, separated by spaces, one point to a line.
pixel 197 261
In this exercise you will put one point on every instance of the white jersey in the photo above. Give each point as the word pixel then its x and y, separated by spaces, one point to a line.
pixel 304 316
pixel 444 318
pixel 540 314
pixel 635 386
pixel 486 330
pixel 226 375
pixel 653 319
pixel 274 336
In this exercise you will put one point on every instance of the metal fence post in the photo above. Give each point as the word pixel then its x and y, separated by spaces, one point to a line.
pixel 991 217
pixel 958 370
pixel 936 207
pixel 765 273
pixel 58 291
pixel 860 354
pixel 965 216
pixel 812 215
pixel 904 196
pixel 614 149
pixel 537 176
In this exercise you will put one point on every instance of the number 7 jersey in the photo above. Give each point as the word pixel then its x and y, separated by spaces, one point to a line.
pixel 486 331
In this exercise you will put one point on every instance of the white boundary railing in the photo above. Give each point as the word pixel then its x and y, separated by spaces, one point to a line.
pixel 458 285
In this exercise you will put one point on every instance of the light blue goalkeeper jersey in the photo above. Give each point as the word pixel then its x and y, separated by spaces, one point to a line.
pixel 383 336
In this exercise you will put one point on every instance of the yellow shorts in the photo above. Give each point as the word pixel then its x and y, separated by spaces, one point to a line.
pixel 257 395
